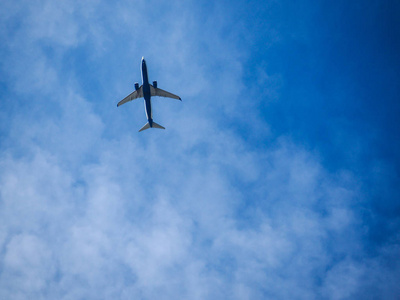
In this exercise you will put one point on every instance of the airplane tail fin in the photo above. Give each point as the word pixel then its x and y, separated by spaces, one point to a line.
pixel 147 126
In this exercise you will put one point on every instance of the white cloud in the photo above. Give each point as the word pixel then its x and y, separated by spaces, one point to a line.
pixel 91 209
pixel 174 235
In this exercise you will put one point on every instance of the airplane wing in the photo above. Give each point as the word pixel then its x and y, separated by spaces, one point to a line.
pixel 159 92
pixel 132 96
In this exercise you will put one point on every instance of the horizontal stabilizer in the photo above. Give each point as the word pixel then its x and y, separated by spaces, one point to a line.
pixel 155 125
pixel 147 126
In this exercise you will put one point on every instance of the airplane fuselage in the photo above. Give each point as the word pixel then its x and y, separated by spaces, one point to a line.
pixel 146 93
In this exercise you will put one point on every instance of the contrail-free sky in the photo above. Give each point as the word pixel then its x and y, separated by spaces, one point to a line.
pixel 277 176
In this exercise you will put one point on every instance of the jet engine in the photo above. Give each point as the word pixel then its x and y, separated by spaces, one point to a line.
pixel 136 85
pixel 155 84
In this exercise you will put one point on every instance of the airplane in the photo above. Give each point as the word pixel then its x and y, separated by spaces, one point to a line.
pixel 146 90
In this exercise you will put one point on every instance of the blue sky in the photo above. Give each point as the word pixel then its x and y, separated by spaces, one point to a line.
pixel 277 176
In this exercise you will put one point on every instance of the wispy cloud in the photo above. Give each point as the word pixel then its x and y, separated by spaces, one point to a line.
pixel 91 209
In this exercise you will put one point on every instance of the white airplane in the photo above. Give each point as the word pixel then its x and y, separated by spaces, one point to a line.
pixel 146 90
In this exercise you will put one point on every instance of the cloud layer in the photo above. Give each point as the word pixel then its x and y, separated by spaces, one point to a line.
pixel 219 206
